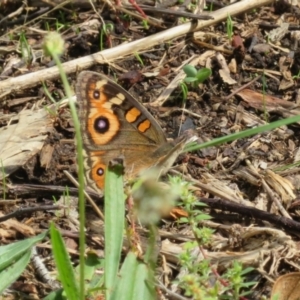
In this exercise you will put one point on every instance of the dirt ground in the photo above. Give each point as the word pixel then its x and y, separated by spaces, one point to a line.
pixel 250 185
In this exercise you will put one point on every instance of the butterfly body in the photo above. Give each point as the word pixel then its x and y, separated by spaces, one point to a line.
pixel 114 125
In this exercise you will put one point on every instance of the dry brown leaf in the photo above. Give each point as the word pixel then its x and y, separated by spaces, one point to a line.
pixel 178 212
pixel 263 102
pixel 287 287
pixel 278 33
pixel 226 77
pixel 224 71
pixel 7 234
pixel 46 156
pixel 13 224
pixel 262 48
pixel 285 84
pixel 204 56
pixel 233 66
pixel 17 145
pixel 283 187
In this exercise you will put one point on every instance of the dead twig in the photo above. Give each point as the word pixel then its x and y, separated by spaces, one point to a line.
pixel 29 210
pixel 251 212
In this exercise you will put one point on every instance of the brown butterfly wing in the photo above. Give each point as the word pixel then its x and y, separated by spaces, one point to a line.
pixel 113 125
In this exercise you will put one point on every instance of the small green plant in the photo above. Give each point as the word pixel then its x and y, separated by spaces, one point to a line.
pixel 54 199
pixel 25 48
pixel 229 27
pixel 235 279
pixel 138 57
pixel 105 32
pixel 199 274
pixel 59 26
pixel 66 197
pixel 62 17
pixel 11 36
pixel 145 24
pixel 295 77
pixel 194 76
pixel 210 7
pixel 125 17
pixel 183 20
pixel 190 204
pixel 47 26
pixel 191 6
pixel 184 90
pixel 47 93
pixel 61 22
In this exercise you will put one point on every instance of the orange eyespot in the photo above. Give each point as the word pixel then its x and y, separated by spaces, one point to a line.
pixel 98 173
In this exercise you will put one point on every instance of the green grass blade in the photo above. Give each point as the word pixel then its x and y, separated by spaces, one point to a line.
pixel 114 226
pixel 136 281
pixel 64 265
pixel 11 252
pixel 144 287
pixel 94 281
pixel 243 134
pixel 55 295
pixel 92 263
pixel 124 287
pixel 11 274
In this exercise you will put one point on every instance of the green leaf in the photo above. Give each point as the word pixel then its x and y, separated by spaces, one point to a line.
pixel 92 262
pixel 229 26
pixel 144 283
pixel 136 281
pixel 203 74
pixel 11 274
pixel 114 226
pixel 202 217
pixel 247 270
pixel 190 71
pixel 55 295
pixel 183 220
pixel 14 259
pixel 11 252
pixel 64 265
pixel 190 79
pixel 125 282
pixel 184 90
pixel 248 284
pixel 93 280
